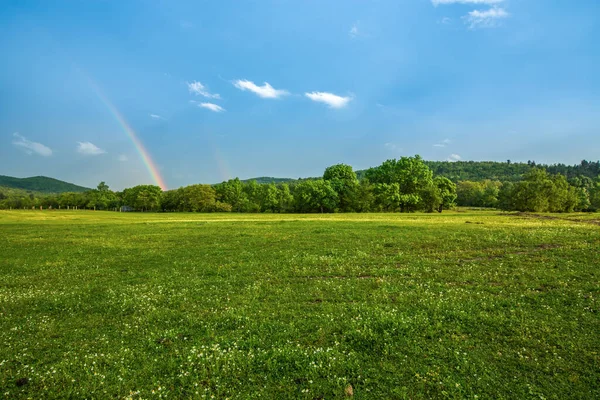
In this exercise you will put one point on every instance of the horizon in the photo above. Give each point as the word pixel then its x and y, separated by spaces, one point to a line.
pixel 201 93
pixel 244 179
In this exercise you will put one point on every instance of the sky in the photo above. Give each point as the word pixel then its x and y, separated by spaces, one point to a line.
pixel 176 92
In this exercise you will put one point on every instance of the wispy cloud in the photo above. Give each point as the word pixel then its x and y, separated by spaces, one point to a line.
pixel 211 107
pixel 89 149
pixel 485 19
pixel 31 147
pixel 199 89
pixel 454 157
pixel 393 147
pixel 155 116
pixel 444 2
pixel 353 30
pixel 443 143
pixel 332 100
pixel 265 91
pixel 123 158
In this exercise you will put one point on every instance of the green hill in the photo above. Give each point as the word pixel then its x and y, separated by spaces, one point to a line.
pixel 41 184
pixel 268 179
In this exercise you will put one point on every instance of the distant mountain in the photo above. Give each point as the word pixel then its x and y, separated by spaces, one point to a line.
pixel 41 184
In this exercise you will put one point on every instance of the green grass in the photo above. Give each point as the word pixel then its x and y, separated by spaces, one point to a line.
pixel 458 305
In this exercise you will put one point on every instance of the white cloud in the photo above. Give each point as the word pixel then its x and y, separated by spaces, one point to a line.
pixel 353 30
pixel 31 147
pixel 265 91
pixel 211 107
pixel 393 147
pixel 443 143
pixel 446 20
pixel 200 90
pixel 123 158
pixel 485 19
pixel 332 100
pixel 443 2
pixel 454 157
pixel 89 149
pixel 155 116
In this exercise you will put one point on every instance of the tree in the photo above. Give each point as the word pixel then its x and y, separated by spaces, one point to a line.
pixel 364 196
pixel 198 198
pixel 232 192
pixel 410 173
pixel 172 200
pixel 447 192
pixel 315 196
pixel 533 192
pixel 594 193
pixel 269 198
pixel 143 197
pixel 563 197
pixel 343 180
pixel 285 200
pixel 431 198
pixel 253 192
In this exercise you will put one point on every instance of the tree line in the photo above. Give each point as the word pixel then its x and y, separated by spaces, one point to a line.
pixel 407 184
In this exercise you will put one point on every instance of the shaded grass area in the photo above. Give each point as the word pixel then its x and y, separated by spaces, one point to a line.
pixel 457 305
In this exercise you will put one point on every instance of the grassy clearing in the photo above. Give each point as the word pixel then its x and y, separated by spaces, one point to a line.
pixel 457 305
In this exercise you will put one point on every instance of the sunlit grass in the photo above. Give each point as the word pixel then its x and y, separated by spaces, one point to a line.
pixel 143 305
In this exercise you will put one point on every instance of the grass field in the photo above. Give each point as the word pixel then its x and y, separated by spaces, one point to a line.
pixel 381 306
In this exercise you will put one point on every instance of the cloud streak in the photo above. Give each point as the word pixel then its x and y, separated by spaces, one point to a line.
pixel 212 107
pixel 265 91
pixel 31 147
pixel 200 90
pixel 332 100
pixel 89 149
pixel 443 143
pixel 485 19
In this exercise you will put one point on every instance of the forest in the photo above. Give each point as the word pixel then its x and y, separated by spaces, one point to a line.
pixel 407 184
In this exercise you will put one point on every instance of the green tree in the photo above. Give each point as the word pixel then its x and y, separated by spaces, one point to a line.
pixel 254 193
pixel 533 192
pixel 270 198
pixel 365 197
pixel 315 196
pixel 143 197
pixel 447 192
pixel 198 198
pixel 232 193
pixel 285 199
pixel 410 173
pixel 343 180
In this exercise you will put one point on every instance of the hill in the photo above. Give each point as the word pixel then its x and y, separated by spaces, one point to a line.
pixel 268 179
pixel 481 170
pixel 41 184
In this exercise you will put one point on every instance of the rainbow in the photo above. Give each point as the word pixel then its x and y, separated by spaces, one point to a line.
pixel 137 143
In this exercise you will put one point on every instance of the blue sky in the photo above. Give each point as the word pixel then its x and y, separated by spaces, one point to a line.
pixel 218 89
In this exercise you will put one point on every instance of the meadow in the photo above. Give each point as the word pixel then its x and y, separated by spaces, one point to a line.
pixel 475 304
